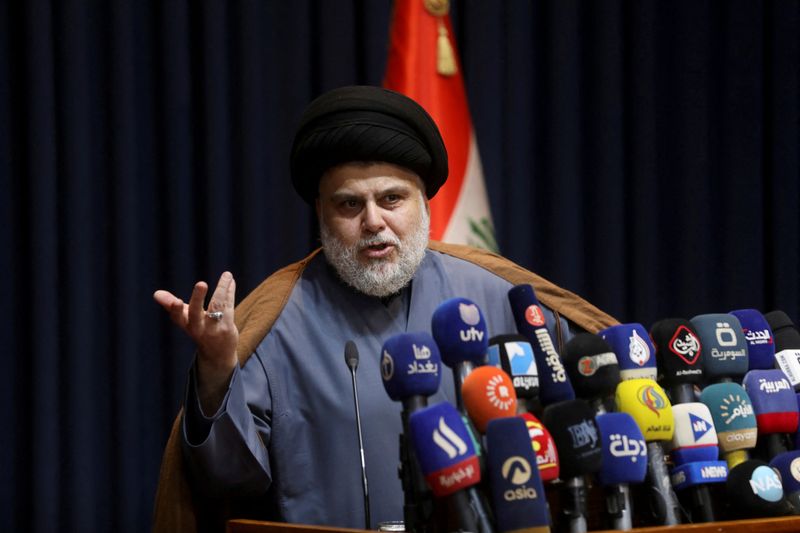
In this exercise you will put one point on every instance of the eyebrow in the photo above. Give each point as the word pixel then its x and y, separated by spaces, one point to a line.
pixel 401 190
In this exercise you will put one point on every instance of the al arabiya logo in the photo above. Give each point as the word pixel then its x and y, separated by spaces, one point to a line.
pixel 447 439
pixel 516 470
pixel 652 399
pixel 387 366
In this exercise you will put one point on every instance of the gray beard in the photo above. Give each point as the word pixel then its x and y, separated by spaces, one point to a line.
pixel 380 277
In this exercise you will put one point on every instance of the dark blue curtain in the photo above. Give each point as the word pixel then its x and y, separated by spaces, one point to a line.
pixel 643 154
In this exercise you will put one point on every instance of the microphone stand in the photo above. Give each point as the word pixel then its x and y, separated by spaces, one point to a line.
pixel 351 358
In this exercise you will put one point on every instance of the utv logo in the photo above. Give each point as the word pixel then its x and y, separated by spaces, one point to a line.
pixel 685 345
pixel 699 426
pixel 534 316
pixel 735 407
pixel 638 350
pixel 470 314
pixel 449 442
pixel 387 366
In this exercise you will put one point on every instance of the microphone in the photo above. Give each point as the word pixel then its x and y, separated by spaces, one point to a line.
pixel 634 350
pixel 788 466
pixel 775 407
pixel 757 333
pixel 755 490
pixel 624 461
pixel 649 406
pixel 787 345
pixel 572 425
pixel 488 394
pixel 724 346
pixel 544 446
pixel 351 358
pixel 443 445
pixel 514 354
pixel 517 492
pixel 678 357
pixel 459 329
pixel 554 384
pixel 734 420
pixel 593 370
pixel 695 454
pixel 411 371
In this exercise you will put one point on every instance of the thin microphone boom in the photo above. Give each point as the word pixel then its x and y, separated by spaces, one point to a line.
pixel 351 358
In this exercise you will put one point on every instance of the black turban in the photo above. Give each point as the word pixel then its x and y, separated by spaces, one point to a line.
pixel 362 123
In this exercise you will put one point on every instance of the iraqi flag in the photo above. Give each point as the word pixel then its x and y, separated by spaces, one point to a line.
pixel 423 64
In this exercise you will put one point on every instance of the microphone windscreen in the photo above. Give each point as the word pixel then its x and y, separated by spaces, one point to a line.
pixel 754 490
pixel 517 492
pixel 788 466
pixel 678 351
pixel 572 425
pixel 695 438
pixel 733 416
pixel 591 365
pixel 649 406
pixel 514 354
pixel 444 449
pixel 624 450
pixel 760 342
pixel 698 473
pixel 785 332
pixel 724 346
pixel 773 399
pixel 410 366
pixel 634 350
pixel 543 446
pixel 459 329
pixel 554 384
pixel 488 393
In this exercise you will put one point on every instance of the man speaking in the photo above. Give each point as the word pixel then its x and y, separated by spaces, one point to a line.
pixel 268 418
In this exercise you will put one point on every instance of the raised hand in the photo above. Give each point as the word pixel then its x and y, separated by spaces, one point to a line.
pixel 212 330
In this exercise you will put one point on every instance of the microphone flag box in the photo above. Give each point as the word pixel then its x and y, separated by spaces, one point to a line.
pixel 544 446
pixel 635 352
pixel 649 406
pixel 624 450
pixel 679 353
pixel 789 362
pixel 724 345
pixel 695 439
pixel 514 354
pixel 733 416
pixel 444 448
pixel 774 401
pixel 698 473
pixel 517 492
pixel 788 466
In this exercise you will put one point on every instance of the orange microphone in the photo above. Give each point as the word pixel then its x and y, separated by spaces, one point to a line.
pixel 488 393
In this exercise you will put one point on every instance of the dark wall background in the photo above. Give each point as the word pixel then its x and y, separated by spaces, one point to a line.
pixel 643 154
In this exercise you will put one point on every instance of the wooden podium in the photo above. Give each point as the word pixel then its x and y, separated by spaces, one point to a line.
pixel 788 524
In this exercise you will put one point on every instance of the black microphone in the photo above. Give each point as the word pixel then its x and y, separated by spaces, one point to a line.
pixel 351 358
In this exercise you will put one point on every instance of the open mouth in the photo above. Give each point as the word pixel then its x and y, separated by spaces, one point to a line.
pixel 378 250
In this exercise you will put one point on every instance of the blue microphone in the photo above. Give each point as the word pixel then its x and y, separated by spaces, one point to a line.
pixel 760 342
pixel 447 458
pixel 635 352
pixel 554 384
pixel 624 462
pixel 411 371
pixel 788 466
pixel 775 407
pixel 518 496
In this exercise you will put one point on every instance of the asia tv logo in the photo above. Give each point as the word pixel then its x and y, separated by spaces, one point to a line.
pixel 517 471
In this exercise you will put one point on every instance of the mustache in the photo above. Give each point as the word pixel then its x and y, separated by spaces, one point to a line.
pixel 379 239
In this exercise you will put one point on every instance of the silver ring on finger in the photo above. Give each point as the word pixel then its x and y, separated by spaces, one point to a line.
pixel 215 315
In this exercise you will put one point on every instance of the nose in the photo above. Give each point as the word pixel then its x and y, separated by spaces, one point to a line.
pixel 373 218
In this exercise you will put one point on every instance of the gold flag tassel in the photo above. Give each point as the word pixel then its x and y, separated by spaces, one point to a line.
pixel 445 58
